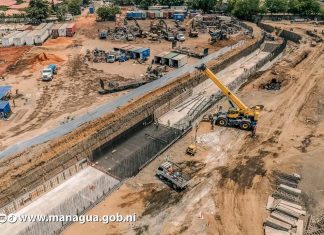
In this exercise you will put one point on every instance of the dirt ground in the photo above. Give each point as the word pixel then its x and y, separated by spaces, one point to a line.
pixel 39 106
pixel 232 172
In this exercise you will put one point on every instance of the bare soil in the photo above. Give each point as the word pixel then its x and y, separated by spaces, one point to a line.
pixel 228 194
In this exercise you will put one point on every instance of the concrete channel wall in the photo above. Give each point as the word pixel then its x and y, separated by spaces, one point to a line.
pixel 84 149
pixel 186 122
pixel 288 35
pixel 47 186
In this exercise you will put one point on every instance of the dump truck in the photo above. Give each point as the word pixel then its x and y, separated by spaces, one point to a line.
pixel 48 72
pixel 170 173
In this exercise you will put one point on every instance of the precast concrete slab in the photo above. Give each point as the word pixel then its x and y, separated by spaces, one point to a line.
pixel 207 88
pixel 69 198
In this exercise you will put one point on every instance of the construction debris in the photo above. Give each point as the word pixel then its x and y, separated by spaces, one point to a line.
pixel 285 215
pixel 274 84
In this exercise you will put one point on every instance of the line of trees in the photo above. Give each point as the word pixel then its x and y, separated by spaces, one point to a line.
pixel 245 9
pixel 41 9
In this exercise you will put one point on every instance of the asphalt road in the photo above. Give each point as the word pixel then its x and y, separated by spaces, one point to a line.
pixel 112 105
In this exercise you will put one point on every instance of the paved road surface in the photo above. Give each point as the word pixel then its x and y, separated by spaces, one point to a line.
pixel 112 105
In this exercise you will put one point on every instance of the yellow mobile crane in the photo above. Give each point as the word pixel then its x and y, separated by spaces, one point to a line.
pixel 240 116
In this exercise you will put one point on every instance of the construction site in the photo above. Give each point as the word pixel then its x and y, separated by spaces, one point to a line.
pixel 204 124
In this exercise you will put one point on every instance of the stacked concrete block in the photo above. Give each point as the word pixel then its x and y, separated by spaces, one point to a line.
pixel 285 216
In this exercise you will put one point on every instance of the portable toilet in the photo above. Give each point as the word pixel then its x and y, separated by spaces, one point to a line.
pixel 91 9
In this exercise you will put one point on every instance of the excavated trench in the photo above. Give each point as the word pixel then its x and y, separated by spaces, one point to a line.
pixel 127 153
pixel 111 140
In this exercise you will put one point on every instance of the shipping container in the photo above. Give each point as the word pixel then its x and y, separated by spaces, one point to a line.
pixel 165 14
pixel 167 58
pixel 179 17
pixel 49 27
pixel 154 8
pixel 42 25
pixel 62 30
pixel 55 30
pixel 7 40
pixel 151 14
pixel 184 8
pixel 139 15
pixel 19 39
pixel 25 27
pixel 30 38
pixel 178 61
pixel 41 36
pixel 70 30
pixel 193 14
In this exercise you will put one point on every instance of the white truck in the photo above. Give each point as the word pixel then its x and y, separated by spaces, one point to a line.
pixel 171 173
pixel 48 72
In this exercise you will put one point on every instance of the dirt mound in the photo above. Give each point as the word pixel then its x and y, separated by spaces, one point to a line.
pixel 58 41
pixel 43 59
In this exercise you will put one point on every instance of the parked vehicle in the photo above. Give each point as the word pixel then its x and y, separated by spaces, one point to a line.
pixel 48 72
pixel 111 58
pixel 122 58
pixel 171 173
pixel 169 36
pixel 181 37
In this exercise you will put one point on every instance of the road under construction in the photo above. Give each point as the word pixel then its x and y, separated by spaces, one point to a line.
pixel 113 148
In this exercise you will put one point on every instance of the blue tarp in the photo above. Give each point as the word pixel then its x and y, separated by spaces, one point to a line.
pixel 4 90
pixel 4 106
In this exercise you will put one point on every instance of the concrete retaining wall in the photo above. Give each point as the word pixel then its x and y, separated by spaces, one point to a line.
pixel 288 35
pixel 48 185
pixel 84 149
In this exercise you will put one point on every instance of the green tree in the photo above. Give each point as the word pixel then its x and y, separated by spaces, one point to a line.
pixel 276 6
pixel 74 7
pixel 19 1
pixel 204 5
pixel 246 9
pixel 37 10
pixel 309 7
pixel 62 9
pixel 304 7
pixel 107 12
pixel 294 6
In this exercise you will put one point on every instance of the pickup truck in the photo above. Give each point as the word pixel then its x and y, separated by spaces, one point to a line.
pixel 48 72
pixel 171 173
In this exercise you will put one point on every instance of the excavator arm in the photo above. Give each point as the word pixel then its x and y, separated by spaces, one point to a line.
pixel 222 87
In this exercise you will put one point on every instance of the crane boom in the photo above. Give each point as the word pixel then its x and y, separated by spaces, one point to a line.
pixel 222 87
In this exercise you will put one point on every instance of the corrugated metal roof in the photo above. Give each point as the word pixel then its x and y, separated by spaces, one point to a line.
pixel 162 54
pixel 179 57
pixel 4 90
pixel 3 104
pixel 170 55
pixel 134 49
pixel 141 50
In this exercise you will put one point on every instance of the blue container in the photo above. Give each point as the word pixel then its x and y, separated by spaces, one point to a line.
pixel 91 10
pixel 130 15
pixel 179 17
pixel 136 15
pixel 5 107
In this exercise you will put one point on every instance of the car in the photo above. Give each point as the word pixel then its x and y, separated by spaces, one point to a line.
pixel 181 37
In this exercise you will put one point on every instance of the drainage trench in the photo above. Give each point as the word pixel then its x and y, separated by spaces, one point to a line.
pixel 127 153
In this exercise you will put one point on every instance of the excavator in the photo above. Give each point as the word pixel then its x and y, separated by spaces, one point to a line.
pixel 238 115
